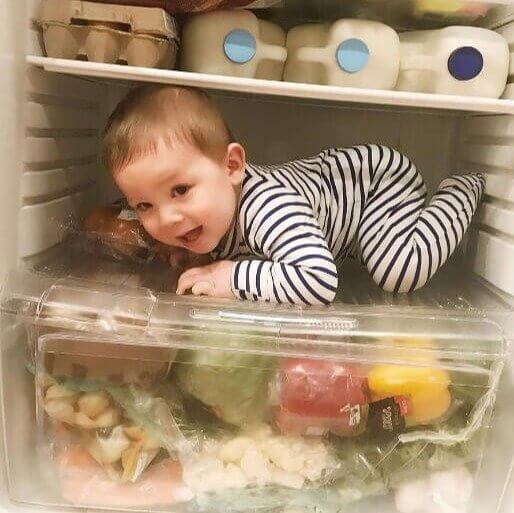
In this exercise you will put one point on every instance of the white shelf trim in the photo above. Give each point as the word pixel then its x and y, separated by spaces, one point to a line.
pixel 275 88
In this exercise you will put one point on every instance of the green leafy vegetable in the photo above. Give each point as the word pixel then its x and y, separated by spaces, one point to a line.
pixel 233 384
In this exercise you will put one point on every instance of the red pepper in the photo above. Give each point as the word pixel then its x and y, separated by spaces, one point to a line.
pixel 317 396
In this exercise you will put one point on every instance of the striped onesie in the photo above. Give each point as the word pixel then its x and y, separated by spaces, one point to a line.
pixel 299 220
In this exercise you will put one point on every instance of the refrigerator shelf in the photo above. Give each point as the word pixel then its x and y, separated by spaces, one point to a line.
pixel 96 295
pixel 371 97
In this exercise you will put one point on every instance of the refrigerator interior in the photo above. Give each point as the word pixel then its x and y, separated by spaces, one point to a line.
pixel 53 113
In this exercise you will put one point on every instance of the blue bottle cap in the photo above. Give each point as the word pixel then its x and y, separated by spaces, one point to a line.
pixel 465 63
pixel 352 55
pixel 239 46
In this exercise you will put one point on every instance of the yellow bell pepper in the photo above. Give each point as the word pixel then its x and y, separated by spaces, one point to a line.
pixel 425 387
pixel 440 6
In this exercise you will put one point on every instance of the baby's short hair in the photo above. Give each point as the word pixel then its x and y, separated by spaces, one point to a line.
pixel 171 113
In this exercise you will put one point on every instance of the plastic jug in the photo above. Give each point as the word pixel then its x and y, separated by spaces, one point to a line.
pixel 351 53
pixel 465 61
pixel 233 43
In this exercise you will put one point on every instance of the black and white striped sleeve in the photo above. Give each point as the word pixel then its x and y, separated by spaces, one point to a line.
pixel 296 265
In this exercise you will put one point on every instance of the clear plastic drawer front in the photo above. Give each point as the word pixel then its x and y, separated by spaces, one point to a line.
pixel 120 398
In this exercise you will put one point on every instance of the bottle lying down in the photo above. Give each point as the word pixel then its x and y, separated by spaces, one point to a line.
pixel 237 431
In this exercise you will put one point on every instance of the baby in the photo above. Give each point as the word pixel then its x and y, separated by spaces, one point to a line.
pixel 277 233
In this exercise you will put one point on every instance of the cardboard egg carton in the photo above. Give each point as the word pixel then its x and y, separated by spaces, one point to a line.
pixel 138 36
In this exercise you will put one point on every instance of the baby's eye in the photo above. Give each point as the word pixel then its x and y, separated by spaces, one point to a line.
pixel 179 190
pixel 143 207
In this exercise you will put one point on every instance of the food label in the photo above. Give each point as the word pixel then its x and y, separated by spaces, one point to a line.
pixel 355 415
pixel 386 416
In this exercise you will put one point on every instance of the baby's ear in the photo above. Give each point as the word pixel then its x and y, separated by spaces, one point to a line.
pixel 235 162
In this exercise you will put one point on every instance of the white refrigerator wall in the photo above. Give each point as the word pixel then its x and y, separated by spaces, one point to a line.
pixel 11 61
pixel 53 121
pixel 12 51
pixel 61 119
pixel 486 144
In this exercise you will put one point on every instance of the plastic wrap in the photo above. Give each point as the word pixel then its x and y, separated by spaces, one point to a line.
pixel 316 397
pixel 233 385
pixel 117 227
pixel 112 445
pixel 116 230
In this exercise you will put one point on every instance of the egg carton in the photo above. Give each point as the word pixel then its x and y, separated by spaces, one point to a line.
pixel 138 36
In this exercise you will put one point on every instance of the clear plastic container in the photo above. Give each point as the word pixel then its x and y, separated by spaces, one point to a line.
pixel 121 397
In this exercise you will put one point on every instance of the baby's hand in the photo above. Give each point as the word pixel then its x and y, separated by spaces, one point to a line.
pixel 210 280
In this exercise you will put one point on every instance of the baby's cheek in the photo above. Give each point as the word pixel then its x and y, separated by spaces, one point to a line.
pixel 150 228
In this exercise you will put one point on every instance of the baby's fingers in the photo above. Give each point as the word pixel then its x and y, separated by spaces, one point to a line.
pixel 205 288
pixel 187 280
pixel 194 271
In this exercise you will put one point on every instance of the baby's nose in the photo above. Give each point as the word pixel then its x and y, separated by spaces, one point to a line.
pixel 170 216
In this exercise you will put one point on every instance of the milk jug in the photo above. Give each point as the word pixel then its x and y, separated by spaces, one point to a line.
pixel 233 43
pixel 467 61
pixel 351 53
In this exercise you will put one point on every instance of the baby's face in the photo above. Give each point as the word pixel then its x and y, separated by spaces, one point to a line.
pixel 182 197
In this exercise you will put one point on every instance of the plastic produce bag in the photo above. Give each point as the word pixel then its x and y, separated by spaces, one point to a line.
pixel 257 457
pixel 112 445
pixel 234 385
pixel 117 228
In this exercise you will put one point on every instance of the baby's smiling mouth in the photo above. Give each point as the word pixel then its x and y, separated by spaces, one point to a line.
pixel 191 235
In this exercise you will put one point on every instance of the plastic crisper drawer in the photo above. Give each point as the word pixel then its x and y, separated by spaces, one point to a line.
pixel 124 398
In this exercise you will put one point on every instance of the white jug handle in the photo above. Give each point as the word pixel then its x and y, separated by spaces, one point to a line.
pixel 311 54
pixel 418 62
pixel 273 52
